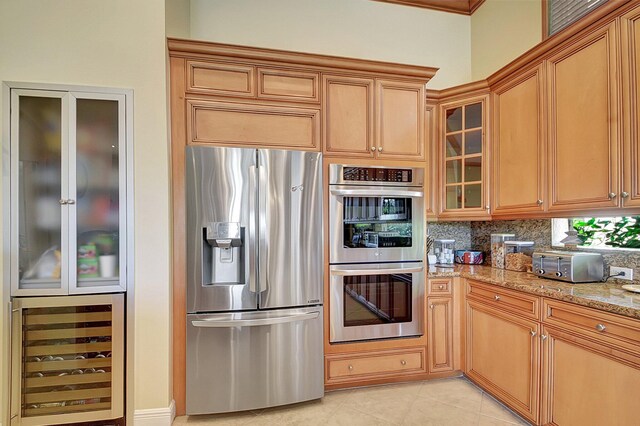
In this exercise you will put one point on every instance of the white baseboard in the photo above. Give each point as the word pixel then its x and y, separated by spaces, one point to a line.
pixel 155 416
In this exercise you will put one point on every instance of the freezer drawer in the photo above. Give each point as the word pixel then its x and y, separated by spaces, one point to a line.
pixel 251 360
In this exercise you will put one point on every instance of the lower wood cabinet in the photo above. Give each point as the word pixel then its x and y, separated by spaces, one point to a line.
pixel 502 356
pixel 440 334
pixel 374 365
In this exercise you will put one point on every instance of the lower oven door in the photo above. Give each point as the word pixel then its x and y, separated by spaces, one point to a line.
pixel 376 301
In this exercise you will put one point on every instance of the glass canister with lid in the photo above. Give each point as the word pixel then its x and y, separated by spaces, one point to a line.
pixel 518 255
pixel 497 249
pixel 444 250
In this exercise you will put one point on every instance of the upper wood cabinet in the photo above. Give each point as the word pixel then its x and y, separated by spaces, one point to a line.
pixel 348 116
pixel 630 44
pixel 351 103
pixel 431 157
pixel 518 145
pixel 583 124
pixel 463 167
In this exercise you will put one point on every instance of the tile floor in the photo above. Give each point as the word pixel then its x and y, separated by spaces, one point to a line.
pixel 454 401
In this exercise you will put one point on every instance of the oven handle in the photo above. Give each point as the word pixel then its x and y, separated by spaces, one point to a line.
pixel 352 272
pixel 376 192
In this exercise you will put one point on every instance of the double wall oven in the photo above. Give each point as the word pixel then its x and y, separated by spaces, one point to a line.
pixel 376 222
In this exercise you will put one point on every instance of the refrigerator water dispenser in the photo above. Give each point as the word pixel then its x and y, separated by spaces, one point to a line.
pixel 223 254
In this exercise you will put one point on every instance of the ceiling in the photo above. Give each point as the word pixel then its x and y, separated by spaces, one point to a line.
pixel 464 7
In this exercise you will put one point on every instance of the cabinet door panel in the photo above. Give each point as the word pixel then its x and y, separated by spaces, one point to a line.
pixel 583 124
pixel 221 79
pixel 630 33
pixel 511 375
pixel 440 323
pixel 586 383
pixel 400 120
pixel 518 146
pixel 348 116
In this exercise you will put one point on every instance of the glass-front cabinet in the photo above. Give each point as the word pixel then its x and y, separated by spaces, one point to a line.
pixel 68 190
pixel 464 162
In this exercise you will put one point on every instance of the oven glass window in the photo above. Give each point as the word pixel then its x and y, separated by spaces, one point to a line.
pixel 377 299
pixel 374 222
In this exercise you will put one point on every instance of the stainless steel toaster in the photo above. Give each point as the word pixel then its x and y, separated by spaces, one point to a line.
pixel 573 267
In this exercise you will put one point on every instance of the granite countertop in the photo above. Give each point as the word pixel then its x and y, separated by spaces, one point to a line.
pixel 610 297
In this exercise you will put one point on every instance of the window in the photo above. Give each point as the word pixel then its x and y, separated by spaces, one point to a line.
pixel 601 232
pixel 559 14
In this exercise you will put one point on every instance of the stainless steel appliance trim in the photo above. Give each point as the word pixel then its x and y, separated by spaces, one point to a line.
pixel 374 191
pixel 339 333
pixel 336 173
pixel 377 269
pixel 253 287
pixel 256 322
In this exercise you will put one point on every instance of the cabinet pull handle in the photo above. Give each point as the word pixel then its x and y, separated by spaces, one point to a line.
pixel 601 327
pixel 612 195
pixel 71 201
pixel 533 333
pixel 373 148
pixel 624 194
pixel 543 337
pixel 497 298
pixel 539 202
pixel 379 149
pixel 350 367
pixel 403 362
pixel 63 202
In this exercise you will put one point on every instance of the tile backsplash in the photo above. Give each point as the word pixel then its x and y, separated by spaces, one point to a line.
pixel 477 236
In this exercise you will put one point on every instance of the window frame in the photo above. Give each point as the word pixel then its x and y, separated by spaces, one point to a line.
pixel 545 18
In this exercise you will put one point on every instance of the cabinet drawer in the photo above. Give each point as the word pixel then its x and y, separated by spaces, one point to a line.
pixel 375 364
pixel 602 325
pixel 513 301
pixel 245 124
pixel 221 79
pixel 437 287
pixel 296 86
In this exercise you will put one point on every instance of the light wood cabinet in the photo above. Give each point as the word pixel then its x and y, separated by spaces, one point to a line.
pixel 583 124
pixel 348 116
pixel 221 79
pixel 374 365
pixel 288 85
pixel 630 49
pixel 518 145
pixel 463 167
pixel 431 157
pixel 440 334
pixel 511 375
pixel 350 108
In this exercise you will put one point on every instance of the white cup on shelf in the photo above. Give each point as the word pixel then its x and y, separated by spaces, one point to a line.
pixel 107 265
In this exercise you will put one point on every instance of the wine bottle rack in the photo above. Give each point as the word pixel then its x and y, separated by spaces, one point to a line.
pixel 67 361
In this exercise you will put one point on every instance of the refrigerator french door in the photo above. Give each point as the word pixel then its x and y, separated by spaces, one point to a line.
pixel 254 278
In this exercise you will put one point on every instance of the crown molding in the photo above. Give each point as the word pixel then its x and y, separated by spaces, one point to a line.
pixel 462 7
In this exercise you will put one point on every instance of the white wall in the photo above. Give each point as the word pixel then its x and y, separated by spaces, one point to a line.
pixel 118 43
pixel 177 18
pixel 354 28
pixel 502 30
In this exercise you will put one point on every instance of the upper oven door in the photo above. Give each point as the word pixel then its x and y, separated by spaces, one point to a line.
pixel 375 224
pixel 376 301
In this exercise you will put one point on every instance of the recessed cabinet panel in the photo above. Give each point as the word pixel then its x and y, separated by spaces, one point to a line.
pixel 583 131
pixel 221 79
pixel 440 323
pixel 348 116
pixel 400 120
pixel 296 86
pixel 518 146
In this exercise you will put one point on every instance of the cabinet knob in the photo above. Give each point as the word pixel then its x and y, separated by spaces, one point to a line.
pixel 350 367
pixel 539 202
pixel 403 362
pixel 601 327
pixel 71 201
pixel 373 148
pixel 624 194
pixel 63 202
pixel 379 149
pixel 543 337
pixel 496 297
pixel 431 306
pixel 533 333
pixel 612 195
pixel 440 287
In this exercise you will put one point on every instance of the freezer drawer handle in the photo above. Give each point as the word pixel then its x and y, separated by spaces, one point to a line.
pixel 255 322
pixel 376 192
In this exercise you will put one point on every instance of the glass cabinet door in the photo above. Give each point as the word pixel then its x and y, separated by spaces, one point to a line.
pixel 39 238
pixel 68 192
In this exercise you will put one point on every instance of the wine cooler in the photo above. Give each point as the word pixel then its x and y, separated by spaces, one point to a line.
pixel 67 359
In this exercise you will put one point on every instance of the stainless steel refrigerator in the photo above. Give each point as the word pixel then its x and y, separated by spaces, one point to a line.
pixel 254 278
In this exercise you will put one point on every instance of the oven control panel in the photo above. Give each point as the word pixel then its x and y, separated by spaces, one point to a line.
pixel 373 174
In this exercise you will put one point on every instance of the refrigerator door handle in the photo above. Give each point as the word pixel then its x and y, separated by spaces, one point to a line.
pixel 377 192
pixel 255 322
pixel 252 231
pixel 263 245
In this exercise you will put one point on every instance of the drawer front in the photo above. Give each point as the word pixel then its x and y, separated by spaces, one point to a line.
pixel 513 301
pixel 244 124
pixel 375 364
pixel 602 325
pixel 296 86
pixel 437 287
pixel 221 79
